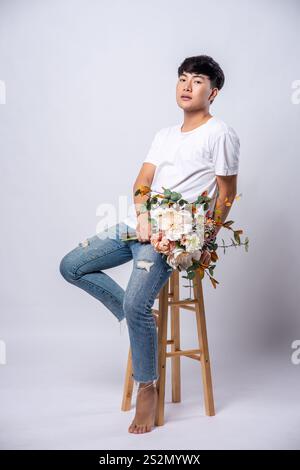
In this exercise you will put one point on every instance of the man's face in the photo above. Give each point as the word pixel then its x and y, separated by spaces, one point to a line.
pixel 197 87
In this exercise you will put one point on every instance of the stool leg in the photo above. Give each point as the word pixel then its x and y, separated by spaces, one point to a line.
pixel 175 337
pixel 128 385
pixel 162 350
pixel 203 345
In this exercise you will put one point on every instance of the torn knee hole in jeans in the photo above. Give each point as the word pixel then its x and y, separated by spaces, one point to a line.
pixel 84 243
pixel 144 264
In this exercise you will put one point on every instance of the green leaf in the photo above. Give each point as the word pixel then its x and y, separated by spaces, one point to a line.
pixel 191 274
pixel 233 241
pixel 175 196
pixel 237 237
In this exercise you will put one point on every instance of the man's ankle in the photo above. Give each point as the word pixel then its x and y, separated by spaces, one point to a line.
pixel 146 384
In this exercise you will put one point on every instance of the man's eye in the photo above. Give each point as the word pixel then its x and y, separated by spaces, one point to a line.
pixel 197 81
pixel 181 79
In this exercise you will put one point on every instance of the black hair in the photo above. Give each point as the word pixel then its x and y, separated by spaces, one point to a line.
pixel 206 65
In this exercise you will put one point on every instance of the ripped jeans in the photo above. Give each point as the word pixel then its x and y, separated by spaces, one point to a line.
pixel 85 267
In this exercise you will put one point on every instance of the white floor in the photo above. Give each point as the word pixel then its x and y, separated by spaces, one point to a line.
pixel 59 392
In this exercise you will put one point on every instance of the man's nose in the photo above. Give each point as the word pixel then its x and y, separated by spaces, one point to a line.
pixel 187 87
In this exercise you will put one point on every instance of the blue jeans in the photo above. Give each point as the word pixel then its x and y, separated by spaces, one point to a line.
pixel 84 267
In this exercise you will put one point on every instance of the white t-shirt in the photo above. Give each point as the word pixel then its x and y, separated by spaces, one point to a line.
pixel 188 162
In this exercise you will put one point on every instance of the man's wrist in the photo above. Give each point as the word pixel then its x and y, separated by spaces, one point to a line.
pixel 143 216
pixel 142 212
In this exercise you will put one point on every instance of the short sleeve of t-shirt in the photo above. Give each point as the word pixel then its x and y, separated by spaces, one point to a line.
pixel 225 153
pixel 153 153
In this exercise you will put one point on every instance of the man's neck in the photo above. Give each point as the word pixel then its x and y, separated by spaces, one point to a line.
pixel 193 120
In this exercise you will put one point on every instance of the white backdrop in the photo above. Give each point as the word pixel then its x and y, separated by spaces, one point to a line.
pixel 84 87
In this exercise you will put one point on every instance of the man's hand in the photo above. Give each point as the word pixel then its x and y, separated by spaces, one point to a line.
pixel 143 229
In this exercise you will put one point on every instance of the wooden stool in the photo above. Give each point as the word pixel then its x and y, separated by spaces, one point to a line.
pixel 169 296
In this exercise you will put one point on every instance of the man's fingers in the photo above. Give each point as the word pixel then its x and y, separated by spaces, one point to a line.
pixel 142 239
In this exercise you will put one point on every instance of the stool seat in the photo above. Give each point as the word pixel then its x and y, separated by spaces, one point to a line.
pixel 169 297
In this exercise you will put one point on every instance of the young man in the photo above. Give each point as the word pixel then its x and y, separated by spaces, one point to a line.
pixel 200 154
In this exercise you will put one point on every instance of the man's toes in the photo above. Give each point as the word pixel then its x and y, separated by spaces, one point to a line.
pixel 131 427
pixel 140 428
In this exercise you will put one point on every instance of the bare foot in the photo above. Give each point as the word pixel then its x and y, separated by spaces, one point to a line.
pixel 145 409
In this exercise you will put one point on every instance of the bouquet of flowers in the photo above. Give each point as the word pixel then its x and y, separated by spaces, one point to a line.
pixel 181 231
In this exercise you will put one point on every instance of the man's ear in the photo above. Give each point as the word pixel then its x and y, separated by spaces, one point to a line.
pixel 213 94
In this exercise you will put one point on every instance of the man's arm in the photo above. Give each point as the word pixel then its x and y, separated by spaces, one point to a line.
pixel 144 178
pixel 227 189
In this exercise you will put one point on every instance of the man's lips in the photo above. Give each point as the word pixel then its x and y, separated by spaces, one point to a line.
pixel 186 97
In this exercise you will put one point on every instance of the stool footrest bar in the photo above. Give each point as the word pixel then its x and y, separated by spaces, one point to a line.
pixel 182 302
pixel 182 352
